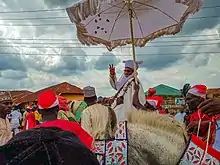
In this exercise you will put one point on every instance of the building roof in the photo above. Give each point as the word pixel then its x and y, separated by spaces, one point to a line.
pixel 214 91
pixel 58 89
pixel 164 90
pixel 13 95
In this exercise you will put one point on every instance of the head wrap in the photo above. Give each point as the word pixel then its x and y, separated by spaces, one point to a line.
pixel 47 100
pixel 89 91
pixel 151 91
pixel 198 90
pixel 47 146
pixel 63 103
pixel 130 64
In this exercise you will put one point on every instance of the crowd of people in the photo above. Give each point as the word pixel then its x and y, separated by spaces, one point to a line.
pixel 51 129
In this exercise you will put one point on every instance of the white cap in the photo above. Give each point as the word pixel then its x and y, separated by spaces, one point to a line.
pixel 130 64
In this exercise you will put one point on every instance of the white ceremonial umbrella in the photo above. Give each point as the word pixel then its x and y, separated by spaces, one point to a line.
pixel 120 22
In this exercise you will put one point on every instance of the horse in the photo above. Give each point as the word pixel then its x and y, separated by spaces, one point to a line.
pixel 153 139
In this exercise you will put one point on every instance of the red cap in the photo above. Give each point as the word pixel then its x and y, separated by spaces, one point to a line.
pixel 151 91
pixel 198 90
pixel 47 99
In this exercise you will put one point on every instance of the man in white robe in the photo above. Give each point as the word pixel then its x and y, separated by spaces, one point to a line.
pixel 130 96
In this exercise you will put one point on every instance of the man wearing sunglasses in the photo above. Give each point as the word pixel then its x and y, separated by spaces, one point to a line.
pixel 130 96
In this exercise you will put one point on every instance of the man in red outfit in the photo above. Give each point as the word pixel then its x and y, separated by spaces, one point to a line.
pixel 30 121
pixel 48 104
pixel 195 96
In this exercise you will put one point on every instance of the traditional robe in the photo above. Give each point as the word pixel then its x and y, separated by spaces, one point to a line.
pixel 5 131
pixel 73 127
pixel 203 131
pixel 30 121
pixel 125 93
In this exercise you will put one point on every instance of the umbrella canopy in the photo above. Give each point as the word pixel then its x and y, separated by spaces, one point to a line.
pixel 105 23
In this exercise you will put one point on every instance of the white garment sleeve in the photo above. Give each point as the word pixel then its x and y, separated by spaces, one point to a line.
pixel 113 81
pixel 141 95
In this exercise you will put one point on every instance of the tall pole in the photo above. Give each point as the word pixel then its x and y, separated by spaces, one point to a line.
pixel 129 4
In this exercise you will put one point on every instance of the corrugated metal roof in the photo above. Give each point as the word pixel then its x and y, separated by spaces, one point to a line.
pixel 164 90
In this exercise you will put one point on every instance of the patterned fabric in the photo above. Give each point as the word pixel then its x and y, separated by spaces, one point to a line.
pixel 113 151
pixel 80 109
pixel 66 115
pixel 5 131
pixel 203 131
pixel 195 152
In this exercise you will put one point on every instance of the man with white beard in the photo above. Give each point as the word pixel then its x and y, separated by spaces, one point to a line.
pixel 130 96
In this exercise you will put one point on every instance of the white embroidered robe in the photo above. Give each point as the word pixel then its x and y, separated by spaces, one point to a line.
pixel 127 106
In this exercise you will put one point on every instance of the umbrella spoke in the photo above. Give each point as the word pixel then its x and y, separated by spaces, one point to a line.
pixel 118 16
pixel 153 7
pixel 139 24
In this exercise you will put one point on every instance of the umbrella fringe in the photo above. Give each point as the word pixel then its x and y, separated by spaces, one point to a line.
pixel 84 9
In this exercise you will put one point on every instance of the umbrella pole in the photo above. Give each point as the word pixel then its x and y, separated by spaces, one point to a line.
pixel 129 4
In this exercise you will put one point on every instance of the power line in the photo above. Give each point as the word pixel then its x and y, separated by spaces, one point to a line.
pixel 95 55
pixel 176 41
pixel 71 39
pixel 62 9
pixel 65 17
pixel 76 47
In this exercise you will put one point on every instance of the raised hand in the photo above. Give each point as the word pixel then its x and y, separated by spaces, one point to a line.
pixel 210 107
pixel 111 69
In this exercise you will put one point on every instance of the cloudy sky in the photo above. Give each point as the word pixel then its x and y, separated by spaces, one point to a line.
pixel 191 56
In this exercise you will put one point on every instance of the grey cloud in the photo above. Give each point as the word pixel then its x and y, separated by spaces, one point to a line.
pixel 11 84
pixel 11 62
pixel 194 25
pixel 154 60
pixel 72 61
pixel 14 75
pixel 106 59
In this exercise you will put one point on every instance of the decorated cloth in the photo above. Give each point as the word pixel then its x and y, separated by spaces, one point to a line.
pixel 196 154
pixel 113 151
pixel 66 115
pixel 83 105
pixel 203 131
pixel 5 131
pixel 30 121
pixel 123 99
pixel 74 127
pixel 155 101
pixel 77 107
